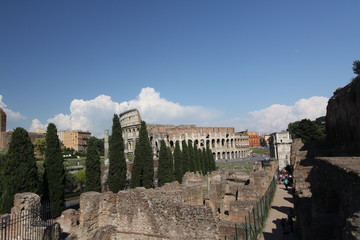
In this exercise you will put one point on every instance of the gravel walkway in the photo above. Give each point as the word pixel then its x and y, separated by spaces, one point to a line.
pixel 280 206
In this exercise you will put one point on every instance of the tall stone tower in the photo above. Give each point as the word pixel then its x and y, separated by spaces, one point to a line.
pixel 2 120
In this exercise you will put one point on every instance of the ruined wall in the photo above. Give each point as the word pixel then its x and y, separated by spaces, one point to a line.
pixel 203 207
pixel 327 195
pixel 343 117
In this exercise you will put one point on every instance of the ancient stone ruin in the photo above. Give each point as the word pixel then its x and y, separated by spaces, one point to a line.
pixel 203 207
pixel 327 178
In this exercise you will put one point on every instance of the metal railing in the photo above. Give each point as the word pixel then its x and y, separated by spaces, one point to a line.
pixel 253 225
pixel 35 223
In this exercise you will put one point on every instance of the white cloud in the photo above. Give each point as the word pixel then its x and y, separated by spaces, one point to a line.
pixel 11 116
pixel 277 117
pixel 36 124
pixel 96 115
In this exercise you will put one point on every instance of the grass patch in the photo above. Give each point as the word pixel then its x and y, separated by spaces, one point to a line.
pixel 236 166
pixel 265 151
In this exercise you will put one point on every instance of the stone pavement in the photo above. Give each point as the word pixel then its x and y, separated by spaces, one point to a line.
pixel 283 200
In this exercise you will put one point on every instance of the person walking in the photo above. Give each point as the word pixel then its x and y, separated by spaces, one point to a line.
pixel 286 183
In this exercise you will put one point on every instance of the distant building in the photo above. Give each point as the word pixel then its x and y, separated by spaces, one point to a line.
pixel 222 141
pixel 280 147
pixel 5 136
pixel 264 140
pixel 74 139
pixel 254 139
pixel 2 120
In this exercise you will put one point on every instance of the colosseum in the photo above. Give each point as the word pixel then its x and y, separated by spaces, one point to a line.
pixel 224 142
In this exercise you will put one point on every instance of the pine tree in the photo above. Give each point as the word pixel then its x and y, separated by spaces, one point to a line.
pixel 201 161
pixel 185 157
pixel 142 174
pixel 170 168
pixel 54 176
pixel 178 163
pixel 19 169
pixel 2 180
pixel 212 164
pixel 206 161
pixel 191 157
pixel 162 168
pixel 92 164
pixel 117 162
pixel 195 157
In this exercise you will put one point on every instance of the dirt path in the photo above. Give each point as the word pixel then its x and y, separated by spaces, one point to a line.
pixel 283 200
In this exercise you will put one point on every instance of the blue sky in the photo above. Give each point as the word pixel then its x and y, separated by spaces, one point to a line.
pixel 253 65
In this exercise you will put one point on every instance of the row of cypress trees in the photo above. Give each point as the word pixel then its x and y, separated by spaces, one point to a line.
pixel 189 159
pixel 19 171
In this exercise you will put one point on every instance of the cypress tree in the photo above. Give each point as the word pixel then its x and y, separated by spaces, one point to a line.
pixel 2 159
pixel 206 161
pixel 212 164
pixel 185 157
pixel 162 168
pixel 197 159
pixel 170 168
pixel 19 169
pixel 178 163
pixel 191 157
pixel 54 175
pixel 142 174
pixel 166 165
pixel 92 164
pixel 117 162
pixel 201 160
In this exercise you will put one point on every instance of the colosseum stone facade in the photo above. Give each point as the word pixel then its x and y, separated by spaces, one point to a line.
pixel 224 142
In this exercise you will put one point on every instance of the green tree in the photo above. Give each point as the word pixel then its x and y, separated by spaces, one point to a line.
pixel 54 176
pixel 70 181
pixel 211 160
pixel 117 162
pixel 92 167
pixel 178 163
pixel 192 156
pixel 162 163
pixel 142 174
pixel 356 67
pixel 40 145
pixel 171 177
pixel 307 130
pixel 165 169
pixel 19 169
pixel 196 158
pixel 185 157
pixel 205 161
pixel 201 162
pixel 99 143
pixel 2 164
pixel 80 177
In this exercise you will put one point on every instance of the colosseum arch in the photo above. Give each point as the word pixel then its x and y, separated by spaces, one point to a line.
pixel 213 143
pixel 223 142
